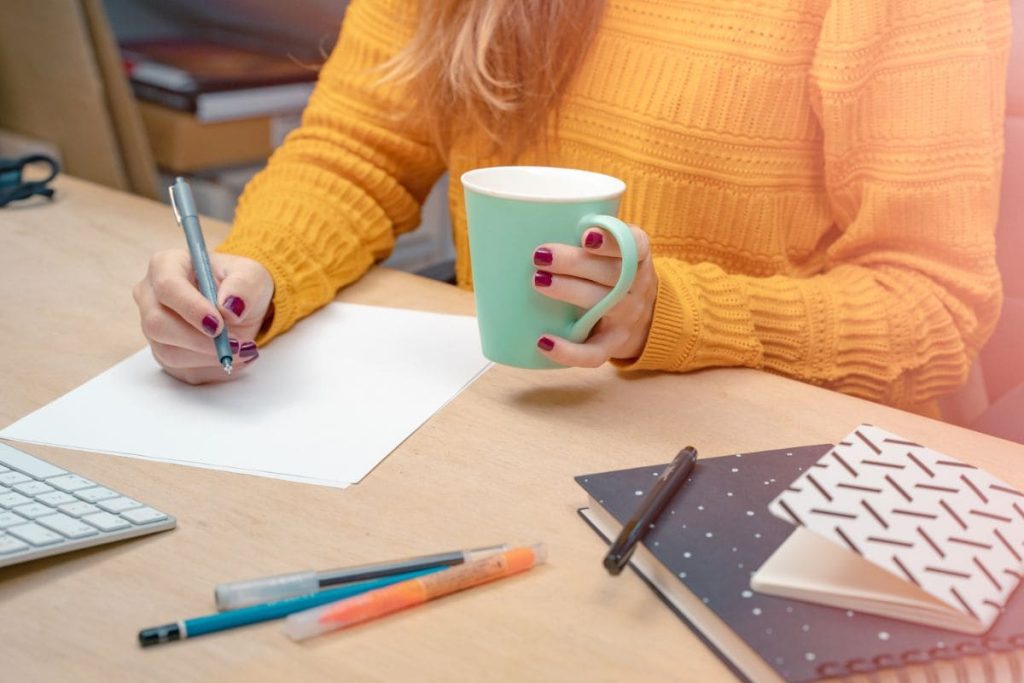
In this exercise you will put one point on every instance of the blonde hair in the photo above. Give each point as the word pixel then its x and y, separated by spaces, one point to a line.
pixel 499 66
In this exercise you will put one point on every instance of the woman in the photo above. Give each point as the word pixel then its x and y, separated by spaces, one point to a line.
pixel 815 183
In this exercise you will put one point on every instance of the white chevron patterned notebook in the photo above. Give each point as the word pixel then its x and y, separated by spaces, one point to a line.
pixel 888 526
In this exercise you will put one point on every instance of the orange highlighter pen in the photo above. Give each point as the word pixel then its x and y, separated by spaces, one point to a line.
pixel 377 603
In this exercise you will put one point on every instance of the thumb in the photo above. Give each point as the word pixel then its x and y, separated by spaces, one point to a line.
pixel 244 291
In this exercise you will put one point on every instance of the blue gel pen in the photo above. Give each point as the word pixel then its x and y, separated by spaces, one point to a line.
pixel 188 218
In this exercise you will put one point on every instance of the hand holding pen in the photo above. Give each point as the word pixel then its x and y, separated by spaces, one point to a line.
pixel 181 323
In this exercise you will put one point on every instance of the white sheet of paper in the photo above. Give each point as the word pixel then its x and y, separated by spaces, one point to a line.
pixel 324 404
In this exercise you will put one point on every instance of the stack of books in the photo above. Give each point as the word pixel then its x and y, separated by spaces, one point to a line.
pixel 207 104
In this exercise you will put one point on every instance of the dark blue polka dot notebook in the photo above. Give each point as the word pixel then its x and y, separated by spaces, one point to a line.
pixel 717 531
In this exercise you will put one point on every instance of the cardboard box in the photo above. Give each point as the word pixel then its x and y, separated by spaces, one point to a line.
pixel 181 144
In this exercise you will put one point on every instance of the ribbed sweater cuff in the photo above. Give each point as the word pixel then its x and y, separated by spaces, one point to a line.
pixel 701 319
pixel 794 343
pixel 300 282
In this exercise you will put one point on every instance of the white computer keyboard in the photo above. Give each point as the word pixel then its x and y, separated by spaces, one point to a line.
pixel 46 510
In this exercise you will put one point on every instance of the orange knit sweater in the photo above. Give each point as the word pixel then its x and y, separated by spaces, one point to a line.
pixel 819 179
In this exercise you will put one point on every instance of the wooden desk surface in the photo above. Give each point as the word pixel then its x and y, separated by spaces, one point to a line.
pixel 495 465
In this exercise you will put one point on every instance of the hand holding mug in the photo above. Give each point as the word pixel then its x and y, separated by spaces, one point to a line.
pixel 584 275
pixel 511 210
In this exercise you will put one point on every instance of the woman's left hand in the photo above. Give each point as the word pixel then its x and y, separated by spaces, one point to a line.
pixel 583 276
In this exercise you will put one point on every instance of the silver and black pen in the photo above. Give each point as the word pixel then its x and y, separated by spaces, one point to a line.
pixel 188 218
pixel 238 594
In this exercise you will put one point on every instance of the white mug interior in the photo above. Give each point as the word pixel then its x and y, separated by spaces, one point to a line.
pixel 543 184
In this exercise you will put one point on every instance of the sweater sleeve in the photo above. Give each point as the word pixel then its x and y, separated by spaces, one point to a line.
pixel 335 195
pixel 910 99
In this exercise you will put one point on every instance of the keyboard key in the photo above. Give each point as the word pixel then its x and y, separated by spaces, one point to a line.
pixel 9 500
pixel 78 508
pixel 35 534
pixel 69 482
pixel 104 521
pixel 29 464
pixel 69 526
pixel 10 519
pixel 11 478
pixel 143 515
pixel 95 494
pixel 32 488
pixel 33 510
pixel 56 498
pixel 9 544
pixel 119 504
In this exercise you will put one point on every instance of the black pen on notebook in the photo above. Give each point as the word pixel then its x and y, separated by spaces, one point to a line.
pixel 188 218
pixel 650 507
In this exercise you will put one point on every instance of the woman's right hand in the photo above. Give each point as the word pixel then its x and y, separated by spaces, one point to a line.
pixel 180 323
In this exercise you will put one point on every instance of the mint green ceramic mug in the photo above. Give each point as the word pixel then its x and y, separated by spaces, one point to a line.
pixel 511 211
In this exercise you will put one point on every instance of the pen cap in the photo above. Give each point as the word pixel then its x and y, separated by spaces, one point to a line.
pixel 272 588
pixel 303 625
pixel 181 199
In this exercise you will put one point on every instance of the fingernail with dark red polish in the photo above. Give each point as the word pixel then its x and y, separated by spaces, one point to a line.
pixel 542 278
pixel 248 351
pixel 594 240
pixel 543 257
pixel 234 345
pixel 546 343
pixel 249 360
pixel 235 305
pixel 210 325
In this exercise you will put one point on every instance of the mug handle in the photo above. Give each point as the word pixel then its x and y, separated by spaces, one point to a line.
pixel 627 247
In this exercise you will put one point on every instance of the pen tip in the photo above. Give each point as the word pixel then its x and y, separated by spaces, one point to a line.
pixel 227 367
pixel 613 564
pixel 160 634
